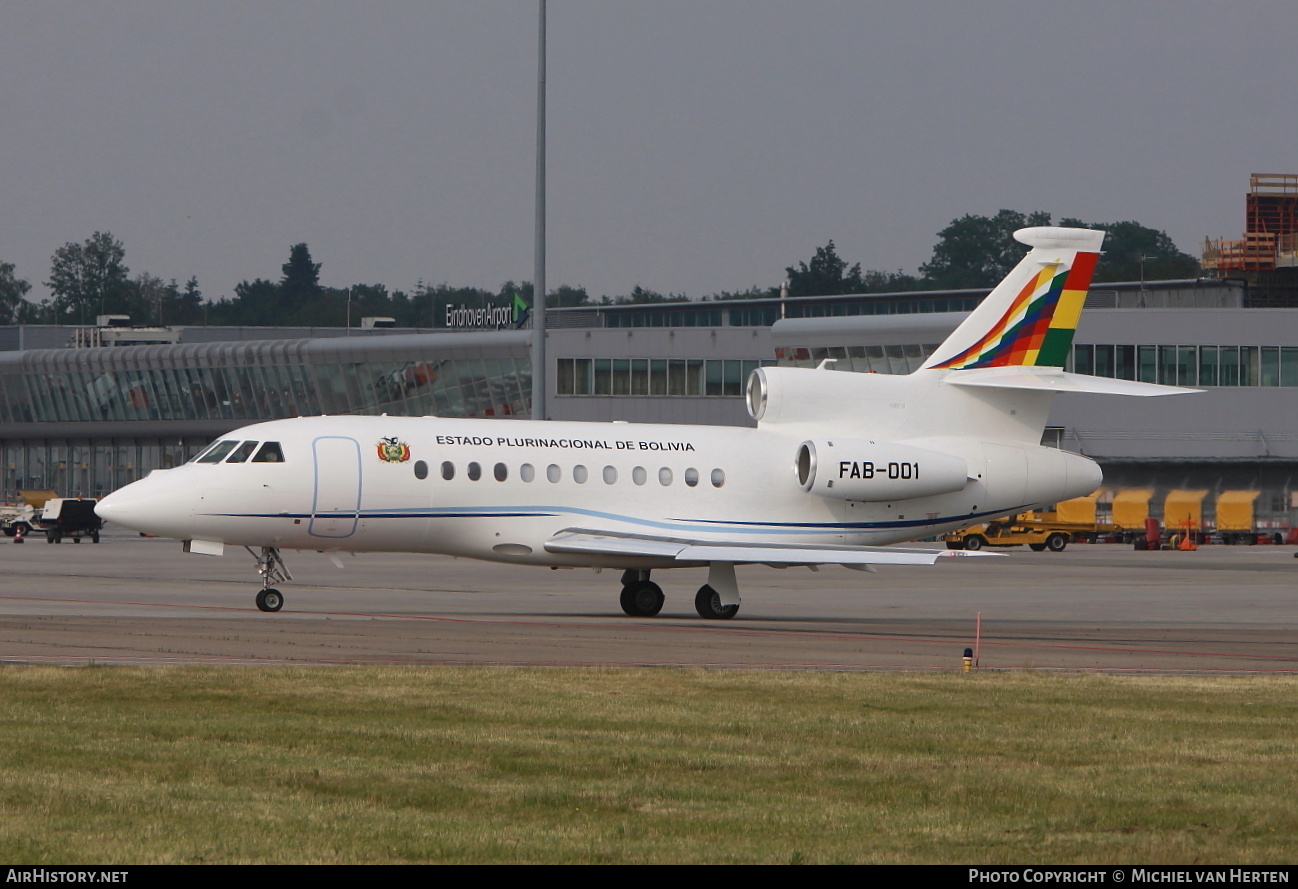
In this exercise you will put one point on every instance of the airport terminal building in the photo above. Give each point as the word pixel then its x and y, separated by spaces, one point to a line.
pixel 83 416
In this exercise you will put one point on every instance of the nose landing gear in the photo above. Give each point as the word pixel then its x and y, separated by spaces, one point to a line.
pixel 271 567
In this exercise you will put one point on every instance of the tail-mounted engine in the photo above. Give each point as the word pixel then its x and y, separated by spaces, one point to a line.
pixel 855 469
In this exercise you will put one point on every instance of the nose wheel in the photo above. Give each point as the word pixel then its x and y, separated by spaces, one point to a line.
pixel 270 600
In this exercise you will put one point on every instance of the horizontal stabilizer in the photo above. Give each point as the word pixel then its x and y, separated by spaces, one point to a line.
pixel 1052 379
pixel 699 551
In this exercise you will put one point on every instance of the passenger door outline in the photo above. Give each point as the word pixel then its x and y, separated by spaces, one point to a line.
pixel 335 506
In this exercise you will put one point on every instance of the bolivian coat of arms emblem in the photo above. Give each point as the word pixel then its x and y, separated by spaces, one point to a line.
pixel 393 451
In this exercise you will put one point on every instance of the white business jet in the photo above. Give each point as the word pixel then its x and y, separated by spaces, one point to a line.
pixel 839 465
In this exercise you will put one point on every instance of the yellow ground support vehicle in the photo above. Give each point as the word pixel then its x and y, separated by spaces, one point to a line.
pixel 1237 516
pixel 1038 531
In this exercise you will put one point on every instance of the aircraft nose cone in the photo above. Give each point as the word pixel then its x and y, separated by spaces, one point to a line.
pixel 150 505
pixel 105 509
pixel 119 507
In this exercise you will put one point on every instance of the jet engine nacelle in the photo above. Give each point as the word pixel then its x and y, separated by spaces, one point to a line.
pixel 788 395
pixel 857 469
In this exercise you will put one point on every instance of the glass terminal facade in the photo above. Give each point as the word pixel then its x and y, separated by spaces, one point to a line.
pixel 85 421
pixel 655 376
pixel 901 358
pixel 1191 365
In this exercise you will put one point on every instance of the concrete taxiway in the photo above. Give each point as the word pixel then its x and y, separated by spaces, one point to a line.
pixel 142 601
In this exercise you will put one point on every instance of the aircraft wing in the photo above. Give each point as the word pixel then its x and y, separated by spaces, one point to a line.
pixel 576 540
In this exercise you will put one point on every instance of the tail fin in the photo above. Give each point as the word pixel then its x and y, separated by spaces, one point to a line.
pixel 1031 316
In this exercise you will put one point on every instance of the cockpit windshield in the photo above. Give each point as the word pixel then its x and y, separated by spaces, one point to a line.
pixel 234 451
pixel 217 452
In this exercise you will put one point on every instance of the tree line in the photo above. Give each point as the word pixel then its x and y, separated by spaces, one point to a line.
pixel 91 278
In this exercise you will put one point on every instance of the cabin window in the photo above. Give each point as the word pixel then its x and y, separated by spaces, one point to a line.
pixel 664 476
pixel 270 453
pixel 579 474
pixel 475 472
pixel 527 472
pixel 553 473
pixel 448 470
pixel 718 478
pixel 421 470
pixel 216 453
pixel 500 471
pixel 610 475
pixel 691 477
pixel 639 476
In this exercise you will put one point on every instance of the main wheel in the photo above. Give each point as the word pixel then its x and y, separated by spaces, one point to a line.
pixel 973 543
pixel 708 604
pixel 642 599
pixel 1056 542
pixel 1037 547
pixel 270 600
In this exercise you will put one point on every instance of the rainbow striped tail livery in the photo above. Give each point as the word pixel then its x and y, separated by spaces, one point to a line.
pixel 1030 318
pixel 1020 335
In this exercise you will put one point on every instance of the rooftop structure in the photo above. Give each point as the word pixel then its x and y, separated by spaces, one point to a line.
pixel 1267 256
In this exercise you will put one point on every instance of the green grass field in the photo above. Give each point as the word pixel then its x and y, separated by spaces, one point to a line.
pixel 190 764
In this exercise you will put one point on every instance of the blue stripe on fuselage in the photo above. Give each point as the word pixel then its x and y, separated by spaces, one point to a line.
pixel 686 525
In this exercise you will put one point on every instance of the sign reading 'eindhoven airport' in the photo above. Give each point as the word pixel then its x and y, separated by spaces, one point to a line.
pixel 491 317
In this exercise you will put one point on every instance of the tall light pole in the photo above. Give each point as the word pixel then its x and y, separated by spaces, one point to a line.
pixel 538 267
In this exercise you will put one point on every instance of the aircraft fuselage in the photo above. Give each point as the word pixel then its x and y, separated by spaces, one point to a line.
pixel 500 489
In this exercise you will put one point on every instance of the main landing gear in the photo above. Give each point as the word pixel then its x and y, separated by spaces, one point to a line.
pixel 718 599
pixel 272 569
pixel 707 602
pixel 641 597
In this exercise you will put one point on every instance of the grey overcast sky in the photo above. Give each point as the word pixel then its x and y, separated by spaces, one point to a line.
pixel 695 145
